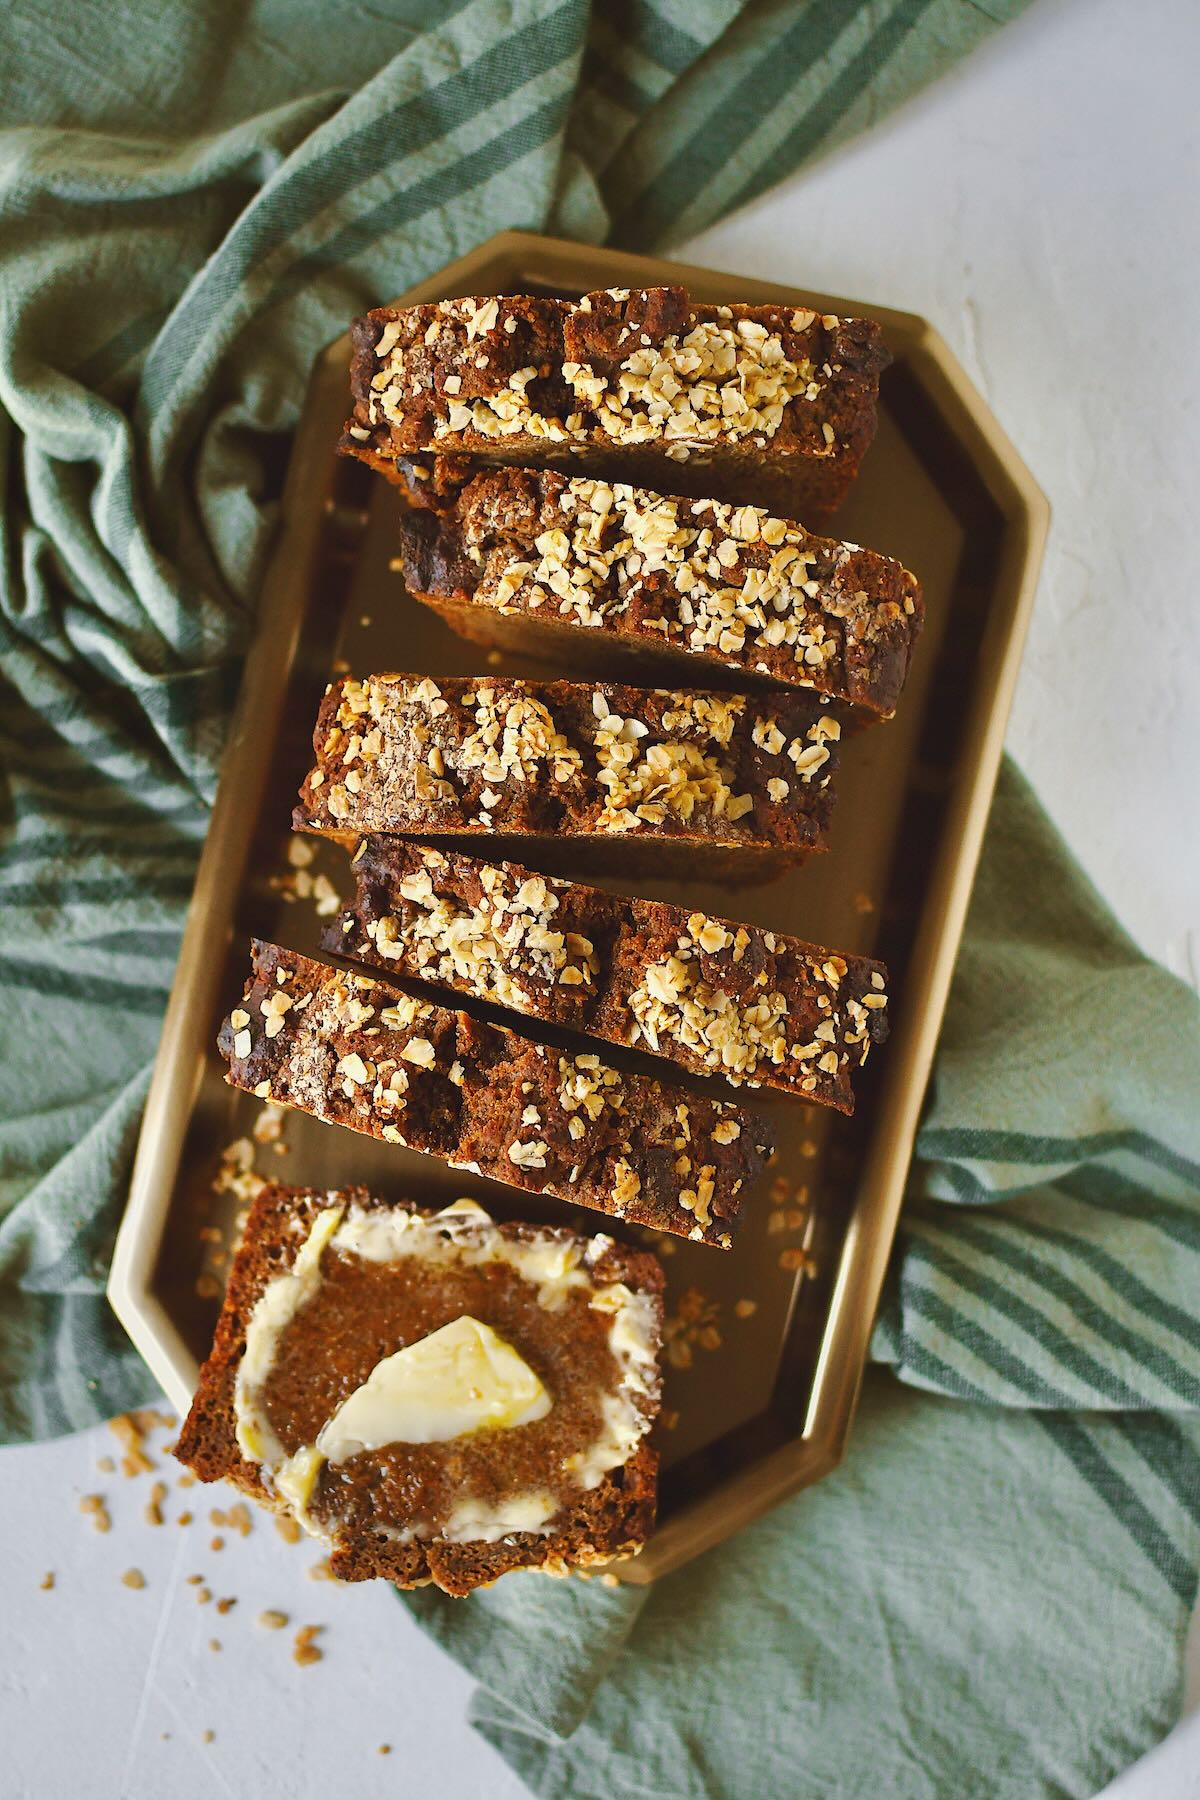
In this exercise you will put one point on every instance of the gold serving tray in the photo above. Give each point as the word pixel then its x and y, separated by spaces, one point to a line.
pixel 766 1343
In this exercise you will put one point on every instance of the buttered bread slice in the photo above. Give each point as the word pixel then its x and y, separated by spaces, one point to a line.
pixel 433 1395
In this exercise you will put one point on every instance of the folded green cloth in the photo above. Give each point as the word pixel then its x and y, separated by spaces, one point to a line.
pixel 980 1601
pixel 193 199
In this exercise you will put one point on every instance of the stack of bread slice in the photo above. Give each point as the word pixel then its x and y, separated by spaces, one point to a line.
pixel 627 486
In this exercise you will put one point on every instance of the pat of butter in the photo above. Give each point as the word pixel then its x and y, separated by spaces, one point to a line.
pixel 295 1479
pixel 460 1379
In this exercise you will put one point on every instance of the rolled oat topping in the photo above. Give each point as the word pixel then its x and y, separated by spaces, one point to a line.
pixel 400 752
pixel 693 376
pixel 716 996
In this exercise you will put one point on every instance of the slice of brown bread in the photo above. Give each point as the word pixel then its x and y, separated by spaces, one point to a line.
pixel 356 1052
pixel 363 1310
pixel 578 571
pixel 762 405
pixel 714 996
pixel 590 772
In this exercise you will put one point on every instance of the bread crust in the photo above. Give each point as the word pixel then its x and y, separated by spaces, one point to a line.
pixel 578 572
pixel 713 996
pixel 354 1051
pixel 448 376
pixel 594 774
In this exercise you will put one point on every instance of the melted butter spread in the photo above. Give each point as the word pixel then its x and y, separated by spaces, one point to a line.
pixel 460 1379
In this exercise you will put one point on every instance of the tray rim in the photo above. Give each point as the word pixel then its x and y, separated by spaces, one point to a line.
pixel 866 1247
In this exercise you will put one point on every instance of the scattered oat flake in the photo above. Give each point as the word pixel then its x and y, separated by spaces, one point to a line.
pixel 863 903
pixel 304 1650
pixel 227 1605
pixel 158 1493
pixel 133 1578
pixel 288 1529
pixel 236 1173
pixel 321 1571
pixel 217 1543
pixel 208 1737
pixel 794 1259
pixel 47 1580
pixel 186 1481
pixel 106 1465
pixel 93 1504
pixel 203 1595
pixel 194 1580
pixel 127 1430
pixel 271 1620
pixel 745 1309
pixel 237 1518
pixel 214 1643
pixel 385 1749
pixel 268 1127
pixel 185 1518
pixel 693 1323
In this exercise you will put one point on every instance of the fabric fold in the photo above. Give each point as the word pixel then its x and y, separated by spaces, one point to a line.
pixel 895 1630
pixel 1050 1253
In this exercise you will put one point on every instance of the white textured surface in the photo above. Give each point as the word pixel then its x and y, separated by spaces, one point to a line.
pixel 1040 206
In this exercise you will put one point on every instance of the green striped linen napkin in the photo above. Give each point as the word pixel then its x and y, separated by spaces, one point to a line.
pixel 990 1597
pixel 193 199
